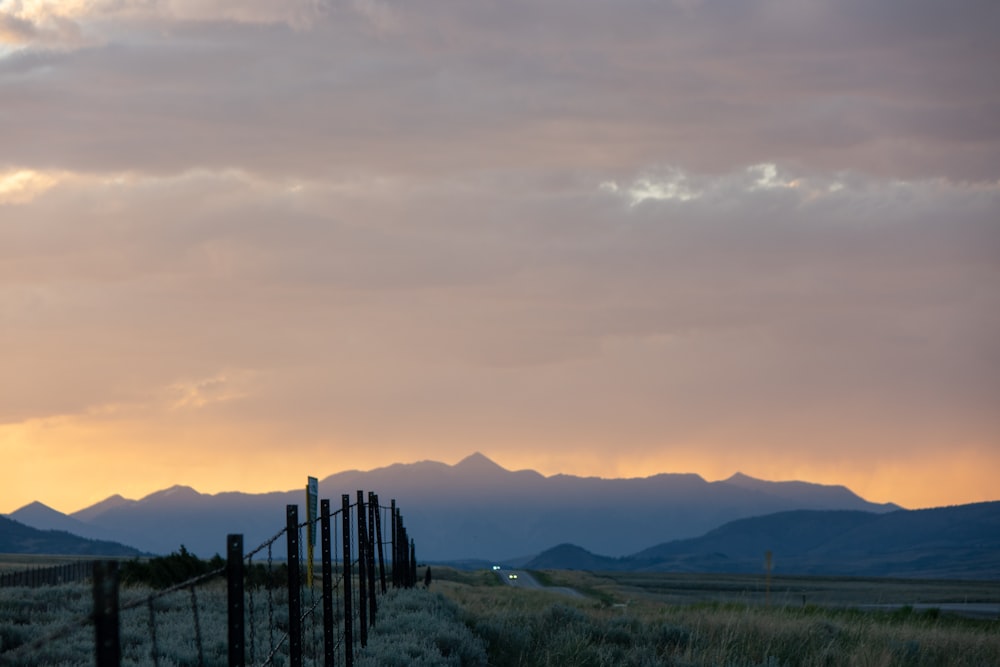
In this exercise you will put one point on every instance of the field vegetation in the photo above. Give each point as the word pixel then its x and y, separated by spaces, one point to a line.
pixel 48 626
pixel 629 619
pixel 471 619
pixel 30 614
pixel 783 591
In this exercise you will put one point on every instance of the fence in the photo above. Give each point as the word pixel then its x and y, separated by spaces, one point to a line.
pixel 52 575
pixel 273 614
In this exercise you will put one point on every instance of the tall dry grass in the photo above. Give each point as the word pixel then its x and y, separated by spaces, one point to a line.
pixel 529 628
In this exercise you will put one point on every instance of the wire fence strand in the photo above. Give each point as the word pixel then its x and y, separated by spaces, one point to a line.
pixel 256 574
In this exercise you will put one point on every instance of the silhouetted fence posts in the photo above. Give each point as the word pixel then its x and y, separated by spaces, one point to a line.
pixel 404 566
pixel 348 596
pixel 378 540
pixel 370 558
pixel 106 636
pixel 413 564
pixel 362 544
pixel 394 549
pixel 234 600
pixel 244 579
pixel 329 644
pixel 362 573
pixel 294 588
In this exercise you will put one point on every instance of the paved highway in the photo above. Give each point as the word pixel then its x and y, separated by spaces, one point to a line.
pixel 521 579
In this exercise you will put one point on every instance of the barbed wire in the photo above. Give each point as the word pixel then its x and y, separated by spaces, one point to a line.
pixel 8 656
pixel 83 621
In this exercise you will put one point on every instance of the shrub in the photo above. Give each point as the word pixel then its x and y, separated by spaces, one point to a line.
pixel 166 571
pixel 560 634
pixel 416 627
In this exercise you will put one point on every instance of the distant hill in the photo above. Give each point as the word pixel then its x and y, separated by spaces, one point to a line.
pixel 17 538
pixel 476 509
pixel 949 542
pixel 572 557
pixel 41 516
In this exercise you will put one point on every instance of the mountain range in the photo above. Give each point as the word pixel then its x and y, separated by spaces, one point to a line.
pixel 474 509
pixel 946 542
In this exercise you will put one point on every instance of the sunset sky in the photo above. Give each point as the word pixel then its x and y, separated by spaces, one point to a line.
pixel 247 241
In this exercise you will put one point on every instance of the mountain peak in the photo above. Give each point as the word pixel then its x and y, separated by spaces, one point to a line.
pixel 109 503
pixel 477 462
pixel 177 492
pixel 740 478
pixel 34 506
pixel 36 512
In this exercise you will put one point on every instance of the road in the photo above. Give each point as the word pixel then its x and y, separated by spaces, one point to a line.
pixel 523 579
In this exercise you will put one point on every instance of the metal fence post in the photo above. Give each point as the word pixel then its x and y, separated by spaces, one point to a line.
pixel 404 556
pixel 362 572
pixel 294 588
pixel 345 515
pixel 378 540
pixel 394 550
pixel 413 564
pixel 370 553
pixel 327 558
pixel 234 582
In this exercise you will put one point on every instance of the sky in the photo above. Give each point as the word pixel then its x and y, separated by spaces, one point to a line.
pixel 247 241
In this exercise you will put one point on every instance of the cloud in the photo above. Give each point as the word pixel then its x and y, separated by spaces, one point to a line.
pixel 849 305
pixel 219 388
pixel 42 12
pixel 15 30
pixel 45 29
pixel 669 227
pixel 657 188
pixel 22 185
pixel 290 88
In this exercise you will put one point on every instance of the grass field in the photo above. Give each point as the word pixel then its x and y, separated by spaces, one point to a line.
pixel 785 591
pixel 470 618
pixel 728 621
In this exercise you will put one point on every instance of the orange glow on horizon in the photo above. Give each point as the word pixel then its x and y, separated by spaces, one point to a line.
pixel 956 478
pixel 102 460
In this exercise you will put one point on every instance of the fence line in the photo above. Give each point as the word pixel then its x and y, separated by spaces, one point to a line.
pixel 51 575
pixel 303 628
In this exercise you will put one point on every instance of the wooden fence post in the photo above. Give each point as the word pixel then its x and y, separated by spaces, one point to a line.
pixel 234 585
pixel 294 588
pixel 106 635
